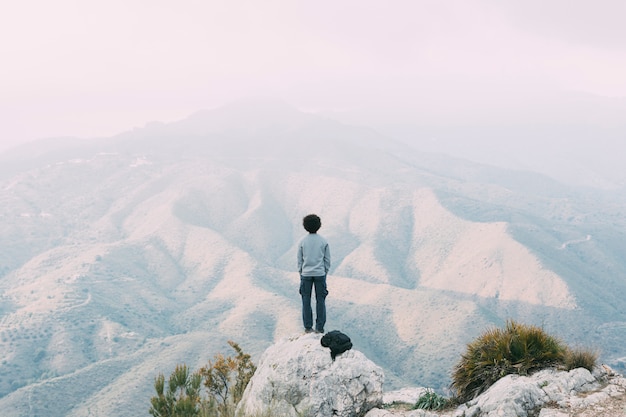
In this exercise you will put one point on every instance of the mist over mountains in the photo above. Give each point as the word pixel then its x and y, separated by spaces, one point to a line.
pixel 121 257
pixel 575 138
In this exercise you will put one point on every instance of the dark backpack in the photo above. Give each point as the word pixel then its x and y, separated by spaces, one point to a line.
pixel 337 342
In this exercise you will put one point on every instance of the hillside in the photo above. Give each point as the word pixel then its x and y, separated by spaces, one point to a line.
pixel 122 256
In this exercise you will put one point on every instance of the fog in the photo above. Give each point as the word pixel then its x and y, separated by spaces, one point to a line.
pixel 475 78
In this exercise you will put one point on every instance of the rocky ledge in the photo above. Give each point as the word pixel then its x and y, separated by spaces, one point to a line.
pixel 296 377
pixel 547 393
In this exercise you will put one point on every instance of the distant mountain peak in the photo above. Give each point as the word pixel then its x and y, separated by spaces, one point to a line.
pixel 242 116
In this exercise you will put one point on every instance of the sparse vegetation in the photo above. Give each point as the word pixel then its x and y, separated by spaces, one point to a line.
pixel 182 397
pixel 516 349
pixel 580 358
pixel 225 379
pixel 430 400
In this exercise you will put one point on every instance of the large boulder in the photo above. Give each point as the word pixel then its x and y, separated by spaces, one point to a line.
pixel 296 377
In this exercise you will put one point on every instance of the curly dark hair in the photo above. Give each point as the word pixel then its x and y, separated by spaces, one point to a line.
pixel 312 223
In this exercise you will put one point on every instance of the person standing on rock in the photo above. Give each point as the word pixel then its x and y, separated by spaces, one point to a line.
pixel 313 266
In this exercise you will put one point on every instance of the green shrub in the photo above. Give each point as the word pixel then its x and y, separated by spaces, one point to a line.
pixel 225 379
pixel 516 349
pixel 226 388
pixel 181 398
pixel 430 400
pixel 580 358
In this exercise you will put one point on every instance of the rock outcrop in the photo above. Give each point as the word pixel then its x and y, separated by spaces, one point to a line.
pixel 296 377
pixel 548 393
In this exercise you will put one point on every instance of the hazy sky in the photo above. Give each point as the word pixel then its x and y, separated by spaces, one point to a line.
pixel 94 68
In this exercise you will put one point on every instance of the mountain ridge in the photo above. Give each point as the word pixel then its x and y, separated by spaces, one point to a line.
pixel 138 245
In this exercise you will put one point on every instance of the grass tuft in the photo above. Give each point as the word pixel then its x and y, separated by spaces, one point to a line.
pixel 516 349
pixel 430 400
pixel 581 358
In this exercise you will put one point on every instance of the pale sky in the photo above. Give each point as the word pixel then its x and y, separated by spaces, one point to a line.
pixel 95 68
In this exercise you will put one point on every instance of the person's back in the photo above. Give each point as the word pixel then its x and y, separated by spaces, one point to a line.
pixel 314 259
pixel 313 266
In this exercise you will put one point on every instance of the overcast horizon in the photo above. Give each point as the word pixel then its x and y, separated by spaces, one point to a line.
pixel 87 69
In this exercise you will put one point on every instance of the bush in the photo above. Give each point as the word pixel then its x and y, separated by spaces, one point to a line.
pixel 219 382
pixel 580 358
pixel 182 397
pixel 516 349
pixel 430 400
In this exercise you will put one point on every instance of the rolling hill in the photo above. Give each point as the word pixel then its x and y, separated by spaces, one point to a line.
pixel 123 256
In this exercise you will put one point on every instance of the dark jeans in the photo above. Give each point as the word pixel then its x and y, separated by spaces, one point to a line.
pixel 306 287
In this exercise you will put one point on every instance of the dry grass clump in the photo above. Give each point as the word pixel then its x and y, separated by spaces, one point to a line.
pixel 580 358
pixel 516 349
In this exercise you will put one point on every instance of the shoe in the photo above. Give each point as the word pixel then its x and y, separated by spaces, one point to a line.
pixel 309 330
pixel 319 331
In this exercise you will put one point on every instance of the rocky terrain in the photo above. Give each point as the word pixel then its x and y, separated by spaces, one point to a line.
pixel 578 393
pixel 296 377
